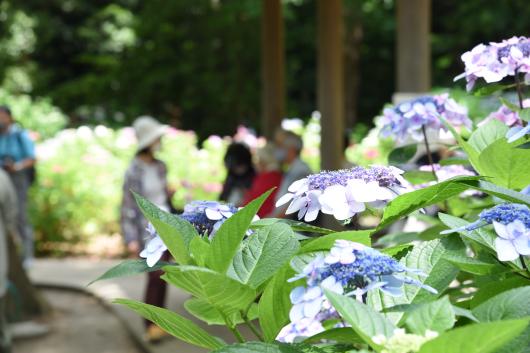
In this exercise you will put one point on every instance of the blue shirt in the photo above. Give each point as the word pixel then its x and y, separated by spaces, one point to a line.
pixel 16 146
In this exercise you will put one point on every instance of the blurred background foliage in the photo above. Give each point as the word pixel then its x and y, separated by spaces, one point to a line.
pixel 196 63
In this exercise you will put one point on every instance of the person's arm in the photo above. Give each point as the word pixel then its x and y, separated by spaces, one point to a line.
pixel 28 148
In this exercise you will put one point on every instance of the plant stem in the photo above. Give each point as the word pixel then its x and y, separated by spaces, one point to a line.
pixel 523 263
pixel 519 89
pixel 237 334
pixel 429 155
pixel 253 328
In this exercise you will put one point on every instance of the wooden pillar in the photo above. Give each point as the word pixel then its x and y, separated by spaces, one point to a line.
pixel 331 82
pixel 413 46
pixel 273 66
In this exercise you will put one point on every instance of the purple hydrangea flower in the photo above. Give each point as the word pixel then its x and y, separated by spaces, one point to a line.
pixel 343 193
pixel 507 116
pixel 206 216
pixel 406 120
pixel 349 268
pixel 511 222
pixel 496 61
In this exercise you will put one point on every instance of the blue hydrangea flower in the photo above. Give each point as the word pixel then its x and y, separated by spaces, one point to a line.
pixel 405 121
pixel 349 268
pixel 511 222
pixel 343 193
pixel 206 216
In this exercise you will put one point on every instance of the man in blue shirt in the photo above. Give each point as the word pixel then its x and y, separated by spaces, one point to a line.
pixel 17 158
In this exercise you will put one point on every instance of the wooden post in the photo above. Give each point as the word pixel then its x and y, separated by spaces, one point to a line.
pixel 273 66
pixel 331 82
pixel 413 46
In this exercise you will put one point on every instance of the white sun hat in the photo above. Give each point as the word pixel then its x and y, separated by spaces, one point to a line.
pixel 147 131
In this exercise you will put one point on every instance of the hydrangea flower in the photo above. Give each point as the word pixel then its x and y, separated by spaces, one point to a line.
pixel 406 120
pixel 343 193
pixel 507 116
pixel 402 342
pixel 349 268
pixel 496 61
pixel 206 216
pixel 511 222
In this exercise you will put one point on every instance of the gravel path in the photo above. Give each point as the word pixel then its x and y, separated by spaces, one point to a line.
pixel 79 324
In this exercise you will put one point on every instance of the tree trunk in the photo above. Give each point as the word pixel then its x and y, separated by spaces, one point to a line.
pixel 352 60
pixel 24 301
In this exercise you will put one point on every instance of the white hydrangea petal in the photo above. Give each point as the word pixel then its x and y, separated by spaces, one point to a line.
pixel 213 214
pixel 284 199
pixel 522 245
pixel 505 250
pixel 312 308
pixel 296 205
pixel 297 312
pixel 297 294
pixel 502 230
pixel 298 186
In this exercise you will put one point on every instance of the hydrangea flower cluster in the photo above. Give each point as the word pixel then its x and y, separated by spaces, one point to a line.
pixel 496 61
pixel 205 216
pixel 507 116
pixel 406 120
pixel 350 268
pixel 343 193
pixel 511 222
pixel 402 342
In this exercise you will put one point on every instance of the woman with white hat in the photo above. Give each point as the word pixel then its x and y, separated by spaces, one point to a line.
pixel 146 176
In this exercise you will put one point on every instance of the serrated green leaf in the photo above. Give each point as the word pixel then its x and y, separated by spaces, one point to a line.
pixel 412 201
pixel 274 305
pixel 174 324
pixel 212 316
pixel 227 239
pixel 483 236
pixel 217 289
pixel 506 165
pixel 435 316
pixel 476 338
pixel 492 289
pixel 486 134
pixel 428 257
pixel 474 266
pixel 397 251
pixel 365 321
pixel 263 254
pixel 176 232
pixel 341 335
pixel 129 268
pixel 199 250
pixel 512 304
pixel 464 313
pixel 326 242
pixel 295 225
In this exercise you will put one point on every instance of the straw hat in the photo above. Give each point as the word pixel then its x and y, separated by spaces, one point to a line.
pixel 147 131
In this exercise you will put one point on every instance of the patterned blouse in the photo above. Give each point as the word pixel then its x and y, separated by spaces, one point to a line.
pixel 132 221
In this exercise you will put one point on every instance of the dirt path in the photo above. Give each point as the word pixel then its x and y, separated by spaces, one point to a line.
pixel 79 324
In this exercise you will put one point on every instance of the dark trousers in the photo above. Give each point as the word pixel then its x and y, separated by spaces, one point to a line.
pixel 155 291
pixel 4 336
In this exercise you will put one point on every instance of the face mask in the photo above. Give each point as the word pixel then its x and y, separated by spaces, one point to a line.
pixel 280 154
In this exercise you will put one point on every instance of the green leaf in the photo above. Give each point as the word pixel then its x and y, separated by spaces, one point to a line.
pixel 464 313
pixel 217 289
pixel 199 250
pixel 490 88
pixel 174 324
pixel 471 152
pixel 274 305
pixel 499 191
pixel 402 155
pixel 492 289
pixel 227 239
pixel 418 176
pixel 263 254
pixel 259 347
pixel 412 201
pixel 488 133
pixel 176 232
pixel 508 166
pixel 129 268
pixel 524 114
pixel 212 316
pixel 512 304
pixel 295 225
pixel 483 236
pixel 341 335
pixel 326 242
pixel 476 338
pixel 435 316
pixel 512 106
pixel 475 266
pixel 428 257
pixel 365 321
pixel 397 250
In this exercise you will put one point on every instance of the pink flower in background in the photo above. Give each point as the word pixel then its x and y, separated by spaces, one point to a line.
pixel 371 153
pixel 246 136
pixel 212 187
pixel 186 184
pixel 57 169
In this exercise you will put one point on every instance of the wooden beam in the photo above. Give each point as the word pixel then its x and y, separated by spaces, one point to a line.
pixel 331 82
pixel 413 46
pixel 273 66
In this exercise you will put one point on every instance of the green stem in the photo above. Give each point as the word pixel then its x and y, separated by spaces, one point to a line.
pixel 429 155
pixel 234 329
pixel 523 263
pixel 253 328
pixel 519 88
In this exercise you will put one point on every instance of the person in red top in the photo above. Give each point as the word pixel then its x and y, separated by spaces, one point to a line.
pixel 268 176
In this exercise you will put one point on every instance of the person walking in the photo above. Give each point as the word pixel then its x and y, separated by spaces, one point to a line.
pixel 240 174
pixel 8 219
pixel 146 176
pixel 17 158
